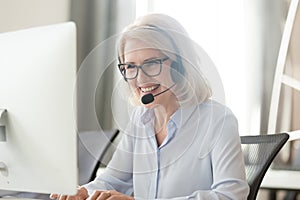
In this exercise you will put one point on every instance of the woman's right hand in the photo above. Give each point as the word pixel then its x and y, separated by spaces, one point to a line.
pixel 81 194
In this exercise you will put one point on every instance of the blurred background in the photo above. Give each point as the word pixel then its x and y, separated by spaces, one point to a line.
pixel 242 37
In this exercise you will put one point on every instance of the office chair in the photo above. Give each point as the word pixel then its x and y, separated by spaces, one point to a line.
pixel 92 146
pixel 259 152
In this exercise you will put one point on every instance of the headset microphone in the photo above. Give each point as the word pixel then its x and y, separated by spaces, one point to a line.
pixel 149 98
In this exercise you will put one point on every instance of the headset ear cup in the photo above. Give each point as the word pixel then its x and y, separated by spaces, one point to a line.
pixel 176 72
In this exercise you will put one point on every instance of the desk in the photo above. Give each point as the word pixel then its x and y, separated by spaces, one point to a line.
pixel 281 180
pixel 20 198
pixel 13 195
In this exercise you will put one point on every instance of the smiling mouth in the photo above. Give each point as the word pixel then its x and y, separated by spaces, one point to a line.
pixel 149 89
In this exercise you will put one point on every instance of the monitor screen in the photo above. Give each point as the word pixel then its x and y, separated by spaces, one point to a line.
pixel 38 134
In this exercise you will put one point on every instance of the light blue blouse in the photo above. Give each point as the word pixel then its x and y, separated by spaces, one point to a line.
pixel 201 157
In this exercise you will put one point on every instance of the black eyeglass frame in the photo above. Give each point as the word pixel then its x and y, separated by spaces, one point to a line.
pixel 141 67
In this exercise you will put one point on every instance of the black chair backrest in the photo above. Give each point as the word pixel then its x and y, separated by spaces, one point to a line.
pixel 92 146
pixel 259 152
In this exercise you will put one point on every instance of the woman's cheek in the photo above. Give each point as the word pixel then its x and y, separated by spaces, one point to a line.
pixel 134 89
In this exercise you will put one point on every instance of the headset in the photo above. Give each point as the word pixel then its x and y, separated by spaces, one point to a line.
pixel 177 68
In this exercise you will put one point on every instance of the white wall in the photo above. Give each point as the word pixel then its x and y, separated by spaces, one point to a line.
pixel 19 14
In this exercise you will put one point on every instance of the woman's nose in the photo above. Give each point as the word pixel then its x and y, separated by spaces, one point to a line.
pixel 141 77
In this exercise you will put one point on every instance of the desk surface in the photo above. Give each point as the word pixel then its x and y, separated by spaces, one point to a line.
pixel 281 179
pixel 17 198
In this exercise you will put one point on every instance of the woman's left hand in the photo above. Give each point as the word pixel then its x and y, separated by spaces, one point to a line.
pixel 109 195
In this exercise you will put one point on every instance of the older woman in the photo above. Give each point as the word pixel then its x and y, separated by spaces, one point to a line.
pixel 179 144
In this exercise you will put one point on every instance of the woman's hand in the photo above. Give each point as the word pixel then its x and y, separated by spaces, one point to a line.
pixel 81 194
pixel 109 195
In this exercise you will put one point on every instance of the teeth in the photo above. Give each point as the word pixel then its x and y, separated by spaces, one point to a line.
pixel 148 89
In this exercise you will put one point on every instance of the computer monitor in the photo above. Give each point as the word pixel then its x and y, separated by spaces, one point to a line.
pixel 38 134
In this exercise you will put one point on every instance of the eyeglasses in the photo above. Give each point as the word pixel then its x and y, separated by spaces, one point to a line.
pixel 150 68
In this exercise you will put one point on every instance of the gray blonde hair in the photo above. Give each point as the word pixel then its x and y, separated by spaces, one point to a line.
pixel 165 34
